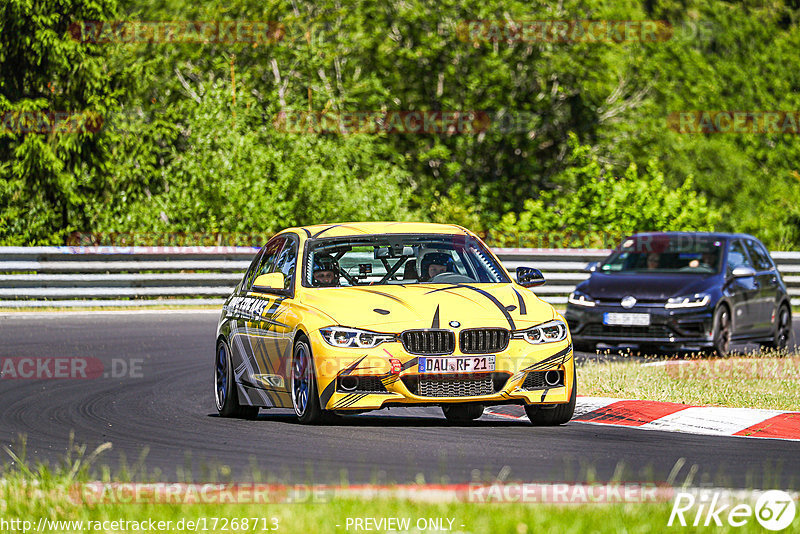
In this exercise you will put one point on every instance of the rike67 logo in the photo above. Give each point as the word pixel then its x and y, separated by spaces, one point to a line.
pixel 774 510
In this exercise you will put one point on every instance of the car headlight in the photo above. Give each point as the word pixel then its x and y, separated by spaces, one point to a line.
pixel 548 332
pixel 580 299
pixel 340 336
pixel 698 300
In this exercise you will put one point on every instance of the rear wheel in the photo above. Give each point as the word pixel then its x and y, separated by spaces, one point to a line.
pixel 461 413
pixel 225 393
pixel 722 331
pixel 783 329
pixel 305 398
pixel 559 415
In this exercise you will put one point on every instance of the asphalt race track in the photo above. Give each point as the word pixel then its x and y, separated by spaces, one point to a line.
pixel 163 407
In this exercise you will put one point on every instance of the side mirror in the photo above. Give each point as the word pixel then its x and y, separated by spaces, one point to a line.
pixel 270 283
pixel 529 277
pixel 743 271
pixel 591 267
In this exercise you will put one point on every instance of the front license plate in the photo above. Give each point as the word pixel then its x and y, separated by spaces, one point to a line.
pixel 626 319
pixel 467 364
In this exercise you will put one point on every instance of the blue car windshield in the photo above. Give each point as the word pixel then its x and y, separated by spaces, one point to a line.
pixel 393 259
pixel 688 254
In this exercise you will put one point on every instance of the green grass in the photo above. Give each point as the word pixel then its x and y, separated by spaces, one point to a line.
pixel 759 380
pixel 28 493
pixel 332 517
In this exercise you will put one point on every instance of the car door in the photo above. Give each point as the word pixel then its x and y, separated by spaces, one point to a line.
pixel 742 291
pixel 276 324
pixel 768 286
pixel 248 347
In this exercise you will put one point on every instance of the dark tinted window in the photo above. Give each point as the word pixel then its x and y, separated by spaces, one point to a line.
pixel 248 276
pixel 737 257
pixel 682 253
pixel 759 255
pixel 286 262
pixel 267 261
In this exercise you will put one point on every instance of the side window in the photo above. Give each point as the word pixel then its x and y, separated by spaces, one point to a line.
pixel 267 261
pixel 737 256
pixel 286 262
pixel 249 275
pixel 759 255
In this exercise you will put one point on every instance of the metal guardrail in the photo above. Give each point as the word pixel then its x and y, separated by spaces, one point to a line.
pixel 148 276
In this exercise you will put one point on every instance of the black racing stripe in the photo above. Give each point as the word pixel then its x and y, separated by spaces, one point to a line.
pixel 490 297
pixel 349 369
pixel 336 226
pixel 375 292
pixel 308 234
pixel 522 309
pixel 323 231
pixel 343 400
pixel 327 393
pixel 558 358
pixel 449 291
pixel 353 400
pixel 511 307
pixel 435 323
pixel 409 364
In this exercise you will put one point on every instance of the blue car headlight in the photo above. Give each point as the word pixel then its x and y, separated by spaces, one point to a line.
pixel 698 300
pixel 549 332
pixel 340 336
pixel 581 299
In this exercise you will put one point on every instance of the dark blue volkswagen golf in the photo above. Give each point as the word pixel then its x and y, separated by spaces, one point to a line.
pixel 682 291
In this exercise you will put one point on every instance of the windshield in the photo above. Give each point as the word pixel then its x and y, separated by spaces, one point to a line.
pixel 666 254
pixel 399 259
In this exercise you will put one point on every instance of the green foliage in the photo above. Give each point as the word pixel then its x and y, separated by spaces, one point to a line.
pixel 598 208
pixel 180 153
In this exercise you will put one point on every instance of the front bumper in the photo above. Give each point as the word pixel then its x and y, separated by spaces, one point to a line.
pixel 688 327
pixel 516 379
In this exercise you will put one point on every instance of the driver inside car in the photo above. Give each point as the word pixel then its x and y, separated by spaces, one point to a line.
pixel 326 271
pixel 435 263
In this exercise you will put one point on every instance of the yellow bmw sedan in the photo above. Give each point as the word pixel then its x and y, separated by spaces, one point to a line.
pixel 353 317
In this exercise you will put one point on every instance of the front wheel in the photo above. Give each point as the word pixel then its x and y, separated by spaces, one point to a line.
pixel 225 394
pixel 305 398
pixel 783 329
pixel 461 413
pixel 559 415
pixel 722 331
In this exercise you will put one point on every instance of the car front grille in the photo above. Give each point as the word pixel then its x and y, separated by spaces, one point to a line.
pixel 453 386
pixel 428 341
pixel 654 331
pixel 456 385
pixel 483 340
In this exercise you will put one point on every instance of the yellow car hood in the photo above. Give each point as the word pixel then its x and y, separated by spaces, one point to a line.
pixel 392 308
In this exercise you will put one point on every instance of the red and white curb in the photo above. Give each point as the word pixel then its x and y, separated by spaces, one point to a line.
pixel 674 417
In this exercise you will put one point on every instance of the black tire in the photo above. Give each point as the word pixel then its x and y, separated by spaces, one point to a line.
pixel 722 330
pixel 226 396
pixel 559 415
pixel 783 329
pixel 462 413
pixel 303 386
